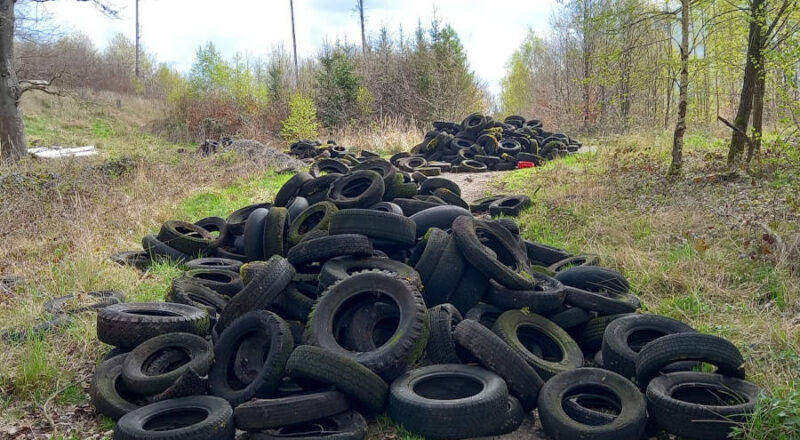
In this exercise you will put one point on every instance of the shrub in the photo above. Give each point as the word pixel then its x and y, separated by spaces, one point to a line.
pixel 302 120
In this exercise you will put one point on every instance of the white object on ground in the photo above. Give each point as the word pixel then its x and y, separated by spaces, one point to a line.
pixel 56 152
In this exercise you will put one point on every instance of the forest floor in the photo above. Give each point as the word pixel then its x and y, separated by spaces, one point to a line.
pixel 695 248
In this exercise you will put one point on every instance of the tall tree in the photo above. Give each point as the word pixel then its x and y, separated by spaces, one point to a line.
pixel 683 100
pixel 360 7
pixel 12 128
pixel 294 48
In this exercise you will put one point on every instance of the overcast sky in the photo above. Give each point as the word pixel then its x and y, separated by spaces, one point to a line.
pixel 173 29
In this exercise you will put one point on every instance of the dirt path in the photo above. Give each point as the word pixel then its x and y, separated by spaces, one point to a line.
pixel 473 185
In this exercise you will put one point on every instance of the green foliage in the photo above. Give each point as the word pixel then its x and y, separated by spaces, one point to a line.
pixel 777 417
pixel 337 85
pixel 516 94
pixel 302 120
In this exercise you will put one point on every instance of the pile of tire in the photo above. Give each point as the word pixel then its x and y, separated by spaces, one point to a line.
pixel 479 143
pixel 342 302
pixel 309 149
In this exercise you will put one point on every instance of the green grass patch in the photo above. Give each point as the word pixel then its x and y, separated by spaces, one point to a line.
pixel 222 202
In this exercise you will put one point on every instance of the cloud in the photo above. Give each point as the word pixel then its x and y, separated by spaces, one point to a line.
pixel 173 29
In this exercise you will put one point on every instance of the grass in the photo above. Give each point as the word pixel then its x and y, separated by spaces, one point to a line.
pixel 689 248
pixel 60 220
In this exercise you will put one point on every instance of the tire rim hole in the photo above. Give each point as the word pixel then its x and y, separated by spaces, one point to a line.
pixel 706 394
pixel 311 222
pixel 213 276
pixel 537 342
pixel 169 358
pixel 356 187
pixel 152 312
pixel 322 426
pixel 639 338
pixel 175 419
pixel 383 328
pixel 449 387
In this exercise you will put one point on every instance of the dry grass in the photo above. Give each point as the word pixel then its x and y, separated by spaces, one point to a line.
pixel 689 247
pixel 386 137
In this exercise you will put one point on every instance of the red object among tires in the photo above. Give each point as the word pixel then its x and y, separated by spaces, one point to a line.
pixel 525 164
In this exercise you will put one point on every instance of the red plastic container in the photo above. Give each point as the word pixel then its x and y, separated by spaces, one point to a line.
pixel 525 164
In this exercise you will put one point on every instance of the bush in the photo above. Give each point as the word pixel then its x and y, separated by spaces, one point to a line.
pixel 302 120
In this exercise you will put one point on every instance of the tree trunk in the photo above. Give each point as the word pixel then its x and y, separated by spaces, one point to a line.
pixel 758 110
pixel 363 34
pixel 748 85
pixel 294 49
pixel 587 67
pixel 12 130
pixel 680 125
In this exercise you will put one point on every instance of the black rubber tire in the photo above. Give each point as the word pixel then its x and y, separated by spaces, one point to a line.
pixel 410 338
pixel 382 227
pixel 482 204
pixel 604 302
pixel 129 324
pixel 451 198
pixel 547 295
pixel 441 348
pixel 509 224
pixel 316 190
pixel 138 259
pixel 629 424
pixel 186 237
pixel 273 413
pixel 291 188
pixel 544 255
pixel 515 416
pixel 236 220
pixel 571 317
pixel 276 233
pixel 432 184
pixel 157 249
pixel 260 291
pixel 296 301
pixel 574 261
pixel 330 166
pixel 412 206
pixel 230 253
pixel 470 289
pixel 447 275
pixel 594 279
pixel 591 409
pixel 563 353
pixel 446 411
pixel 495 355
pixel 296 206
pixel 224 282
pixel 107 393
pixel 441 217
pixel 316 218
pixel 223 382
pixel 387 207
pixel 380 166
pixel 214 263
pixel 359 189
pixel 708 420
pixel 434 243
pixel 626 336
pixel 162 420
pixel 341 372
pixel 473 166
pixel 254 234
pixel 349 425
pixel 590 335
pixel 509 206
pixel 690 346
pixel 195 348
pixel 365 331
pixel 324 248
pixel 476 238
pixel 339 268
pixel 104 298
pixel 215 224
pixel 485 314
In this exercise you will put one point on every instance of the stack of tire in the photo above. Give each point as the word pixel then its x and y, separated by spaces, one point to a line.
pixel 309 149
pixel 479 143
pixel 355 306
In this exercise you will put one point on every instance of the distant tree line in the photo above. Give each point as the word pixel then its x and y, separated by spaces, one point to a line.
pixel 406 79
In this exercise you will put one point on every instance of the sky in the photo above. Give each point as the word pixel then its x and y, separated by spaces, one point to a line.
pixel 172 30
